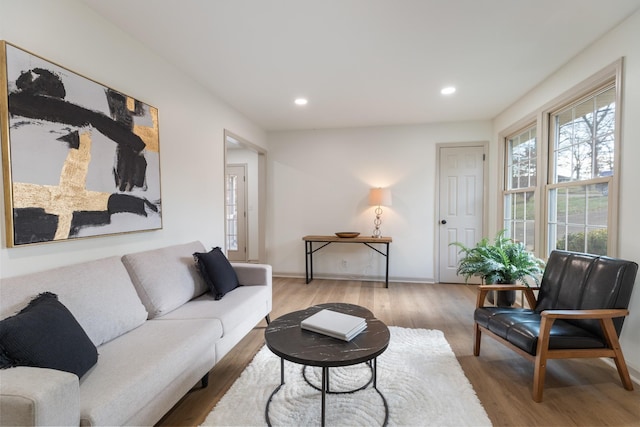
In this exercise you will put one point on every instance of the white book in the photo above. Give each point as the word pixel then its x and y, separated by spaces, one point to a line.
pixel 342 337
pixel 334 324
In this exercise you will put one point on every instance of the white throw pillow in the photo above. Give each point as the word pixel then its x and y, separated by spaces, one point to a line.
pixel 166 278
pixel 98 293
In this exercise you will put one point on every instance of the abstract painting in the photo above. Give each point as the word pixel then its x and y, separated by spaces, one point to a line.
pixel 79 158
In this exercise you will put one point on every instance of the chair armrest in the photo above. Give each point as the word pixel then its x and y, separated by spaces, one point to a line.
pixel 605 316
pixel 38 396
pixel 253 274
pixel 585 314
pixel 483 290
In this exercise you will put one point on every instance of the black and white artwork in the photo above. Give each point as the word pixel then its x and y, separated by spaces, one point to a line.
pixel 79 159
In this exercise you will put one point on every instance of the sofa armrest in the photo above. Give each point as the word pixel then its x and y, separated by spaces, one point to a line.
pixel 37 396
pixel 253 274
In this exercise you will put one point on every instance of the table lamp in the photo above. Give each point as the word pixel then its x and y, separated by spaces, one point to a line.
pixel 379 197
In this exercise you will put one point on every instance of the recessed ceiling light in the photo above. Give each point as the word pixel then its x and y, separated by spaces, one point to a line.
pixel 448 90
pixel 301 101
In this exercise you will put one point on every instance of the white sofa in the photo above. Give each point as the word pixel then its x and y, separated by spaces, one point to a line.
pixel 156 328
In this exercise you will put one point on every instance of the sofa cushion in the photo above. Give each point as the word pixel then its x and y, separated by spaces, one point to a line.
pixel 482 315
pixel 563 335
pixel 216 271
pixel 501 323
pixel 521 327
pixel 165 278
pixel 46 335
pixel 98 293
pixel 232 310
pixel 159 360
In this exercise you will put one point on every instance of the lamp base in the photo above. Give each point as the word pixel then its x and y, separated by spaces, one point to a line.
pixel 377 222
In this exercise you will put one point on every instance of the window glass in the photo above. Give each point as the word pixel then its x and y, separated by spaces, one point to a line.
pixel 232 212
pixel 519 196
pixel 578 218
pixel 585 139
pixel 521 161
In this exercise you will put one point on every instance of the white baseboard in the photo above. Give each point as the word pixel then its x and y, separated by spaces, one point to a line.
pixel 357 277
pixel 633 373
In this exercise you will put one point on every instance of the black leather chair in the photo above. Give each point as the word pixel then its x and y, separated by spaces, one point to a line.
pixel 581 305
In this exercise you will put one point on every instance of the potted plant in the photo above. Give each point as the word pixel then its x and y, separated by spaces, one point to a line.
pixel 502 261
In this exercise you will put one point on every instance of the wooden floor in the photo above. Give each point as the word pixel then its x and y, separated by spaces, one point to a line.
pixel 583 392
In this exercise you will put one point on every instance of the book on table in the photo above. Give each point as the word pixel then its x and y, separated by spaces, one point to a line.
pixel 335 324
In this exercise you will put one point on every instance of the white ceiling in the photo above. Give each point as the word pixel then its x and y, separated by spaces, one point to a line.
pixel 366 62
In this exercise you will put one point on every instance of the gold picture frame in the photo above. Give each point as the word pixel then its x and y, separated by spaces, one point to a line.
pixel 79 159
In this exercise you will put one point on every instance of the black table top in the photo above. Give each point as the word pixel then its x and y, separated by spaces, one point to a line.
pixel 285 338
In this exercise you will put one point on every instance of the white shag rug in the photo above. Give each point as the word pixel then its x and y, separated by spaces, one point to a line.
pixel 418 374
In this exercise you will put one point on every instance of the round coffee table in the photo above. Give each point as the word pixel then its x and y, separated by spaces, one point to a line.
pixel 286 339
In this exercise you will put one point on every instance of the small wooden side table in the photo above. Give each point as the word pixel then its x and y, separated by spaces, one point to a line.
pixel 327 240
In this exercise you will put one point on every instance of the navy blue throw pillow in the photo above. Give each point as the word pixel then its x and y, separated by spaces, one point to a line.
pixel 216 271
pixel 46 335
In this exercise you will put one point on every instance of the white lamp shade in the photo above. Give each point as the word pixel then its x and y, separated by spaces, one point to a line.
pixel 380 197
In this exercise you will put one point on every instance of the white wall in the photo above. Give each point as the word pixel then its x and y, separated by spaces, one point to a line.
pixel 621 42
pixel 191 121
pixel 319 183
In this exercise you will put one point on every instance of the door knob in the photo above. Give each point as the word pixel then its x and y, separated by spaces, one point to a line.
pixel 444 221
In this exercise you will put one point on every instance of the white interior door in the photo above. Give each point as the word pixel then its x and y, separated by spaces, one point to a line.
pixel 236 213
pixel 461 207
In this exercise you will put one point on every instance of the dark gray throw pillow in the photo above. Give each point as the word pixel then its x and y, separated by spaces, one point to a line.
pixel 216 271
pixel 46 335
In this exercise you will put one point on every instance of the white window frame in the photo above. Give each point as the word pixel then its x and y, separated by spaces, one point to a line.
pixel 543 120
pixel 507 191
pixel 555 186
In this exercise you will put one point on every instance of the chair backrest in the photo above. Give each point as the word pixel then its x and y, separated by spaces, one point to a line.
pixel 573 281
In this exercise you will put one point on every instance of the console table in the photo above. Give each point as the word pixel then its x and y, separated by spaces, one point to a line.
pixel 327 240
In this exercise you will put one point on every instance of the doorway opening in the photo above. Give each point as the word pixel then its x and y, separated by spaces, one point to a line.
pixel 236 212
pixel 244 212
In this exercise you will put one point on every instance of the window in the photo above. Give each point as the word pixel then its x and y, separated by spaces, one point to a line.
pixel 561 171
pixel 520 187
pixel 582 169
pixel 232 212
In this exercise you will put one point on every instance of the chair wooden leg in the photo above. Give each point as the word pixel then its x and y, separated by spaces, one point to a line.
pixel 539 374
pixel 612 339
pixel 540 369
pixel 623 371
pixel 476 339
